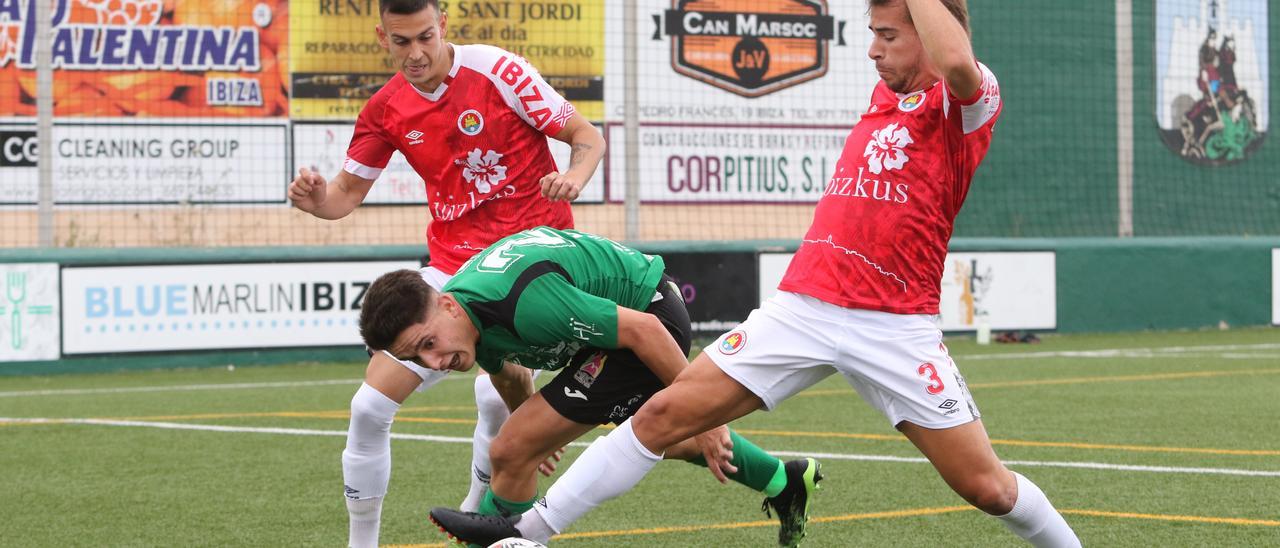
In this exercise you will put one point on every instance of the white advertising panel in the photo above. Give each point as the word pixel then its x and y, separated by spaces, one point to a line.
pixel 762 63
pixel 1013 290
pixel 28 312
pixel 188 307
pixel 739 101
pixel 153 163
pixel 728 163
pixel 18 151
pixel 772 267
pixel 1275 286
pixel 324 147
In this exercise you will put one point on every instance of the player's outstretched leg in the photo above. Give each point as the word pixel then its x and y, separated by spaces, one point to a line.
pixel 792 504
pixel 964 457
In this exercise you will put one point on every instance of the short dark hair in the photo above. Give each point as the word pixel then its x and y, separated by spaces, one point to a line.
pixel 406 7
pixel 395 301
pixel 958 9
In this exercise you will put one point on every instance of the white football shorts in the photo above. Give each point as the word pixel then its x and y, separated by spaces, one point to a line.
pixel 896 362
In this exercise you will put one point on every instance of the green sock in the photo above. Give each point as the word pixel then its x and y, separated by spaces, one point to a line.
pixel 493 505
pixel 756 468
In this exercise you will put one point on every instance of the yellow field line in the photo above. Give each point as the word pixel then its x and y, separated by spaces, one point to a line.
pixel 1127 378
pixel 911 512
pixel 1162 517
pixel 1024 443
pixel 763 523
pixel 1078 380
pixel 290 414
pixel 740 525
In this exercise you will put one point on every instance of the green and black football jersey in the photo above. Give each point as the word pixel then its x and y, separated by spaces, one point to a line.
pixel 539 296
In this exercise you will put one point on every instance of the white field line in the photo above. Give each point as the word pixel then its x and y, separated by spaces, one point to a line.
pixel 831 456
pixel 175 388
pixel 1221 351
pixel 1207 351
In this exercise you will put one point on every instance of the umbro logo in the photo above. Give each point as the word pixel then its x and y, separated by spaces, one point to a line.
pixel 414 137
pixel 948 404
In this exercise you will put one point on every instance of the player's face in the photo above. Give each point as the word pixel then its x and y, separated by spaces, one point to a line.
pixel 445 341
pixel 416 43
pixel 895 47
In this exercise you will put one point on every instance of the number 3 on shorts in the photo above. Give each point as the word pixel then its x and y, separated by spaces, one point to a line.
pixel 930 373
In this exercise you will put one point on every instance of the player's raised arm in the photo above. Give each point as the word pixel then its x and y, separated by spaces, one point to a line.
pixel 328 199
pixel 587 150
pixel 946 41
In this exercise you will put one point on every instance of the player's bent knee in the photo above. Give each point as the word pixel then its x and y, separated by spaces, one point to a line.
pixel 508 456
pixel 659 422
pixel 989 494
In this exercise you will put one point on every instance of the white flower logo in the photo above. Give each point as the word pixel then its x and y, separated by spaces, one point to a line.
pixel 483 169
pixel 885 150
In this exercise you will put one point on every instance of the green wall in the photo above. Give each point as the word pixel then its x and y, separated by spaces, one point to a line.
pixel 1109 284
pixel 1051 171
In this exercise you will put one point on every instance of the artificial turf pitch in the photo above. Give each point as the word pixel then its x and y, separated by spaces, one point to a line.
pixel 1150 439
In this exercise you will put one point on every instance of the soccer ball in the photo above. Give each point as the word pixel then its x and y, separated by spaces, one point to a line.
pixel 517 542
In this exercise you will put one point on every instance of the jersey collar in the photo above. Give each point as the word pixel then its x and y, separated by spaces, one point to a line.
pixel 444 84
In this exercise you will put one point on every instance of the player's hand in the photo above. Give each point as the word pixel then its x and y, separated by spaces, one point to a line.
pixel 717 449
pixel 556 186
pixel 308 190
pixel 548 466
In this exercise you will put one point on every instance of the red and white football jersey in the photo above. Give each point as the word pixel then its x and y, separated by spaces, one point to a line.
pixel 879 235
pixel 479 143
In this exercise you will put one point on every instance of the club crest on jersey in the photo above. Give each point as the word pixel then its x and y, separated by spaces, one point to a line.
pixel 887 148
pixel 911 102
pixel 590 371
pixel 733 342
pixel 470 122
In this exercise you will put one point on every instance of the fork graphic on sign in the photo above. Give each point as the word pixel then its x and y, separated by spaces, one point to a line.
pixel 16 291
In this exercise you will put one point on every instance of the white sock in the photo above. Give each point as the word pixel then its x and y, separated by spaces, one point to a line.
pixel 611 466
pixel 1035 520
pixel 491 412
pixel 366 462
pixel 533 527
pixel 365 516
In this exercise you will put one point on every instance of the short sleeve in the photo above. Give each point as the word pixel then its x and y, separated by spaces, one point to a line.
pixel 523 89
pixel 552 310
pixel 370 149
pixel 984 106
